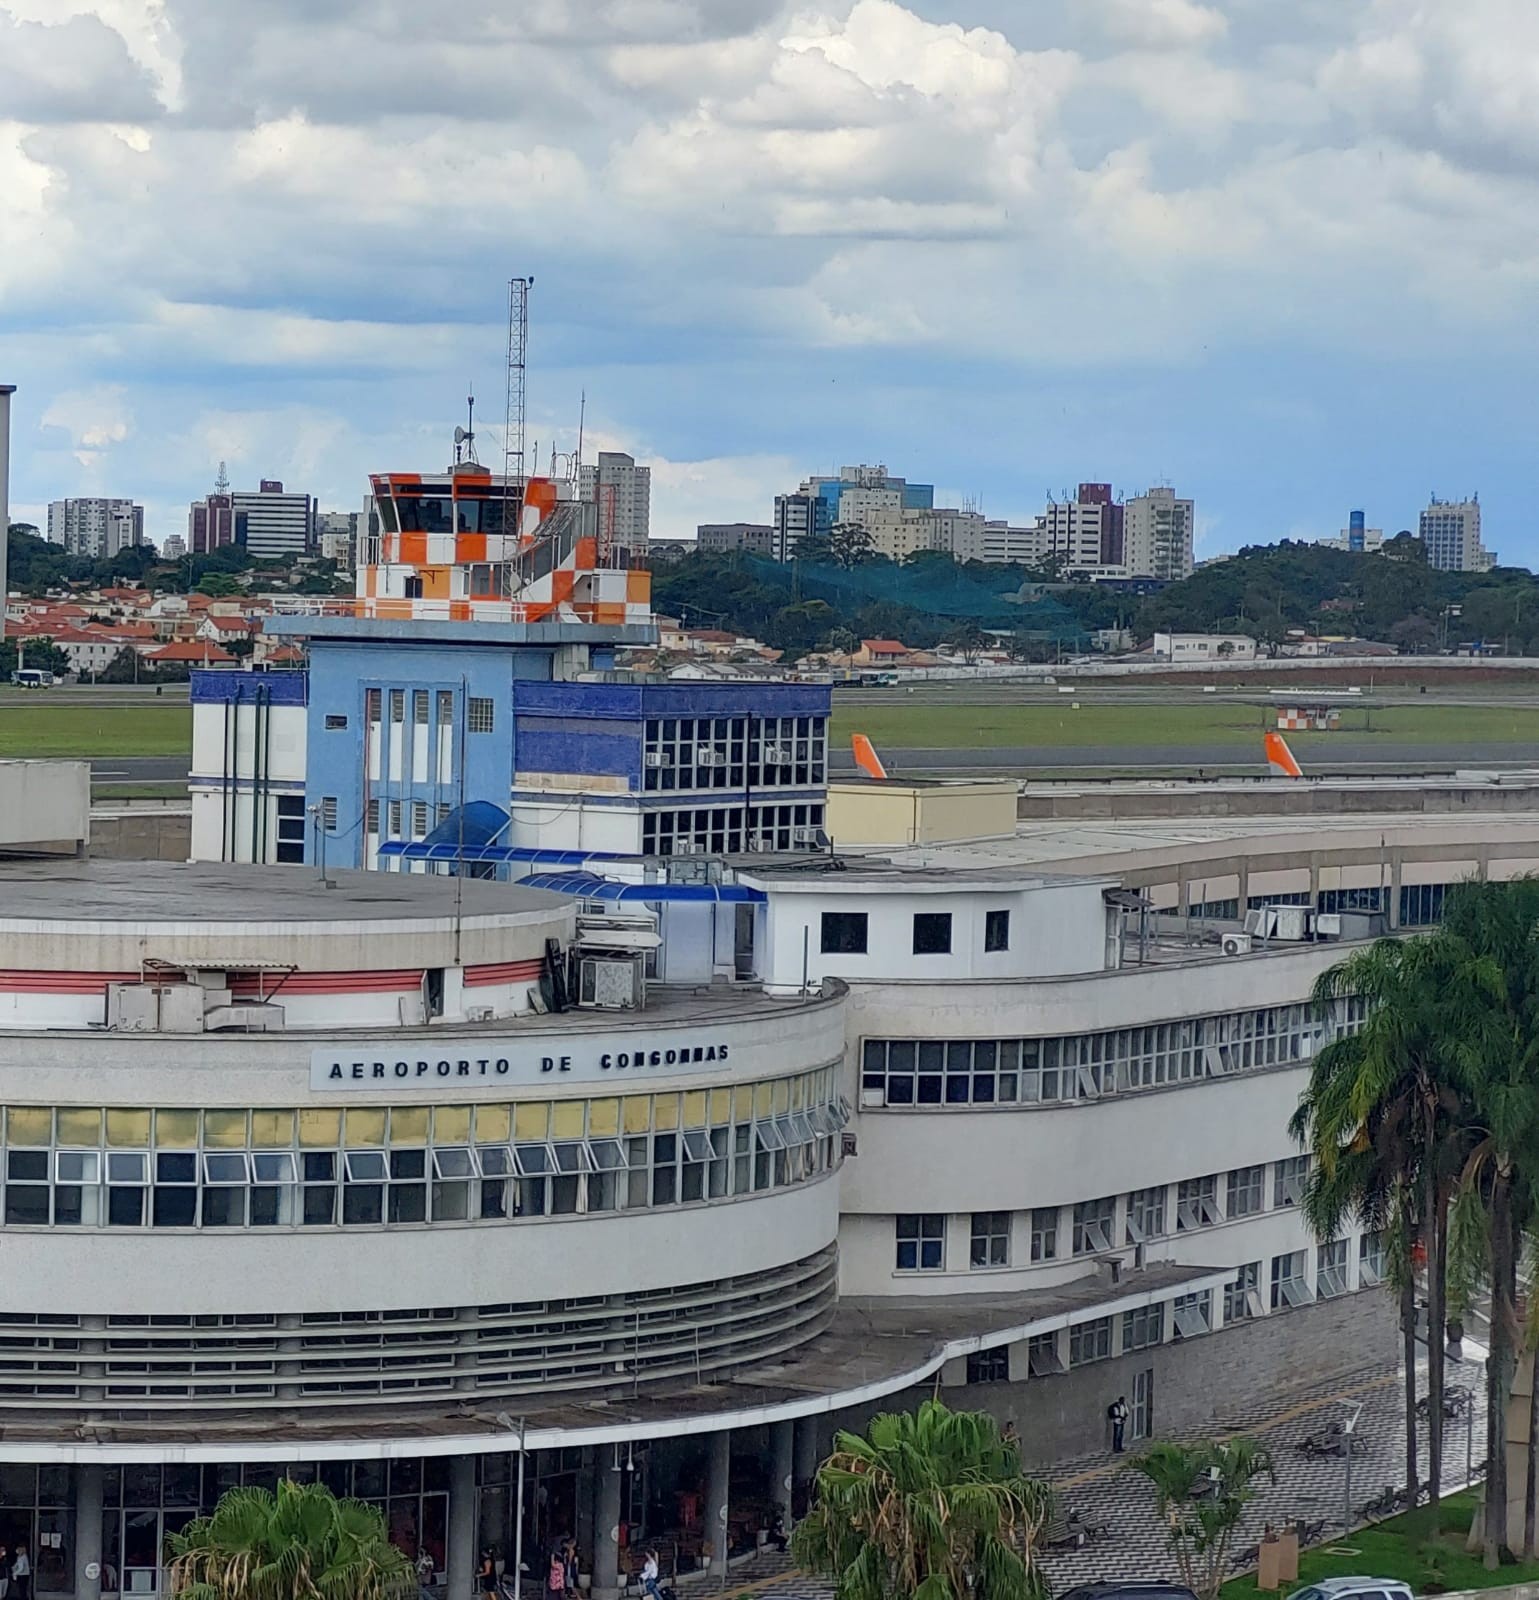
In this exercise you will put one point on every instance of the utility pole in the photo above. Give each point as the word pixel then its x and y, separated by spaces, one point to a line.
pixel 6 391
pixel 518 350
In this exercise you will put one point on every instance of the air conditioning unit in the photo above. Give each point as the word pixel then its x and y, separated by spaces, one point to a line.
pixel 812 836
pixel 761 841
pixel 776 755
pixel 611 983
pixel 1235 944
pixel 710 758
pixel 654 758
pixel 685 847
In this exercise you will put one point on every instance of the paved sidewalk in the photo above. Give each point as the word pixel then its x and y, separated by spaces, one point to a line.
pixel 1306 1488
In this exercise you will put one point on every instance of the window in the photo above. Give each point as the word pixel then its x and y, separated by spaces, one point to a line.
pixel 329 813
pixel 419 818
pixel 1244 1192
pixel 371 703
pixel 1289 1286
pixel 1042 1358
pixel 398 705
pixel 419 707
pixel 1331 1269
pixel 1090 1341
pixel 990 1239
pixel 843 933
pixel 1142 1327
pixel 1146 1214
pixel 1242 1297
pixel 480 714
pixel 1044 1233
pixel 921 1242
pixel 290 842
pixel 1288 1180
pixel 1193 1314
pixel 335 721
pixel 1196 1204
pixel 989 1366
pixel 1093 1224
pixel 1370 1260
pixel 932 933
pixel 996 931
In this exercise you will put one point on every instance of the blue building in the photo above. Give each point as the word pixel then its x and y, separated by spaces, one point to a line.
pixel 396 725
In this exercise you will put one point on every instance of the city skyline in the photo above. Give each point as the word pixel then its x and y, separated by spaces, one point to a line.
pixel 1251 255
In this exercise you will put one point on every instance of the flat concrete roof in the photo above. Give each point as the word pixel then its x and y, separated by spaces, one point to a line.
pixel 74 890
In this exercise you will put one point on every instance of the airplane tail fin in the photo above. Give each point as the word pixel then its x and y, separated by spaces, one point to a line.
pixel 866 757
pixel 1281 758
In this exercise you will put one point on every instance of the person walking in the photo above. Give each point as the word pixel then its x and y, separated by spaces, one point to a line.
pixel 486 1577
pixel 649 1575
pixel 21 1575
pixel 1117 1411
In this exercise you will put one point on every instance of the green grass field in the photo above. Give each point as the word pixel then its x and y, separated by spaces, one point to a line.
pixel 963 726
pixel 40 728
pixel 1401 1548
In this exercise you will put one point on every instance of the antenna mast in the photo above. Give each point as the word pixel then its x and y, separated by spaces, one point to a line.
pixel 222 482
pixel 518 346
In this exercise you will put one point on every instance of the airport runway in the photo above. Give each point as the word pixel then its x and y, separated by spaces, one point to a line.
pixel 139 769
pixel 1345 755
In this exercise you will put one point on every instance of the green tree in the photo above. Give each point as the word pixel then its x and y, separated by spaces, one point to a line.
pixel 928 1505
pixel 301 1543
pixel 967 640
pixel 850 544
pixel 1202 1491
pixel 219 585
pixel 1382 1116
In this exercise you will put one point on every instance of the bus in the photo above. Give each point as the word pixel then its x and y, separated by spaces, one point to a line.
pixel 32 678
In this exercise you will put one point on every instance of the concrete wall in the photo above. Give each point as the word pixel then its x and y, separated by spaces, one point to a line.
pixel 1275 798
pixel 909 813
pixel 44 803
pixel 148 835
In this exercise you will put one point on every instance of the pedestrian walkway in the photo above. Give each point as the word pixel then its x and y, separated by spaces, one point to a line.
pixel 1307 1488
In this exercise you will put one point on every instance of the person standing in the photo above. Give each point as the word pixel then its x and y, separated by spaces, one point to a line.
pixel 1117 1411
pixel 21 1575
pixel 5 1571
pixel 486 1577
pixel 649 1572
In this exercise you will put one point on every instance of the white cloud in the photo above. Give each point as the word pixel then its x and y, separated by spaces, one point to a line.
pixel 1161 24
pixel 94 419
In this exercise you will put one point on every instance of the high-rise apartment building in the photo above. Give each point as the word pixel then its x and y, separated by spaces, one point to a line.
pixel 1004 545
pixel 95 529
pixel 797 517
pixel 1357 537
pixel 211 523
pixel 277 523
pixel 175 547
pixel 1450 529
pixel 1157 531
pixel 1086 531
pixel 336 536
pixel 622 491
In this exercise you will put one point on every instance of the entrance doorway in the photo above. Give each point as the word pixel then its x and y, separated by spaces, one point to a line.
pixel 1141 1422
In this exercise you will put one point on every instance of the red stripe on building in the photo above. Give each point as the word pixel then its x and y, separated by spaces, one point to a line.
pixel 504 972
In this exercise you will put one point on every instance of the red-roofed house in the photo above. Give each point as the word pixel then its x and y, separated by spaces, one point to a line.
pixel 191 653
pixel 881 653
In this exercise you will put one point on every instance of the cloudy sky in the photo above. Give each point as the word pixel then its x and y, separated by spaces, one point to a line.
pixel 1282 255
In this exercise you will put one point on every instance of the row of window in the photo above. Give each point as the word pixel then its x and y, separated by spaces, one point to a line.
pixel 735 753
pixel 731 830
pixel 480 710
pixel 1191 1315
pixel 1421 904
pixel 368 1166
pixel 1093 1229
pixel 1088 1066
pixel 847 933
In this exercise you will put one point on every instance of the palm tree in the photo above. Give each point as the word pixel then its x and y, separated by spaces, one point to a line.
pixel 926 1506
pixel 301 1543
pixel 1382 1116
pixel 1202 1491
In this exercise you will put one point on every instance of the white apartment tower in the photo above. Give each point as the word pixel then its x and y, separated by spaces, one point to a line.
pixel 1157 536
pixel 622 491
pixel 95 529
pixel 277 523
pixel 1450 529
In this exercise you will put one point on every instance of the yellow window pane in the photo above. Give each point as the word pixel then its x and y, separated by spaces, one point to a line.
pixel 451 1124
pixel 742 1102
pixel 799 1093
pixel 409 1125
pixel 782 1095
pixel 128 1129
pixel 272 1130
pixel 604 1116
pixel 494 1124
pixel 665 1111
pixel 365 1126
pixel 320 1129
pixel 566 1119
pixel 176 1130
pixel 225 1129
pixel 80 1125
pixel 721 1106
pixel 761 1098
pixel 694 1108
pixel 531 1121
pixel 29 1125
pixel 638 1113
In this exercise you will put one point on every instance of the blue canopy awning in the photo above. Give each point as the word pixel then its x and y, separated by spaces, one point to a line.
pixel 476 823
pixel 589 886
pixel 434 849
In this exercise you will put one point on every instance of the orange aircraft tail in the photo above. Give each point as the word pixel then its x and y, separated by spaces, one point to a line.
pixel 1281 758
pixel 866 757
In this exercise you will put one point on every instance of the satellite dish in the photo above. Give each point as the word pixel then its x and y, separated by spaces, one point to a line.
pixel 460 436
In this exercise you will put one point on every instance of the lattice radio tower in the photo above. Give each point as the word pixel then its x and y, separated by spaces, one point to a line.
pixel 518 345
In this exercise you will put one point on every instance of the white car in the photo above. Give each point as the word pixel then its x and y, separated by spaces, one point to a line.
pixel 1355 1589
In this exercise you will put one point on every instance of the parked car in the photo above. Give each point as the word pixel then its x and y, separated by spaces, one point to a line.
pixel 1128 1591
pixel 1354 1589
